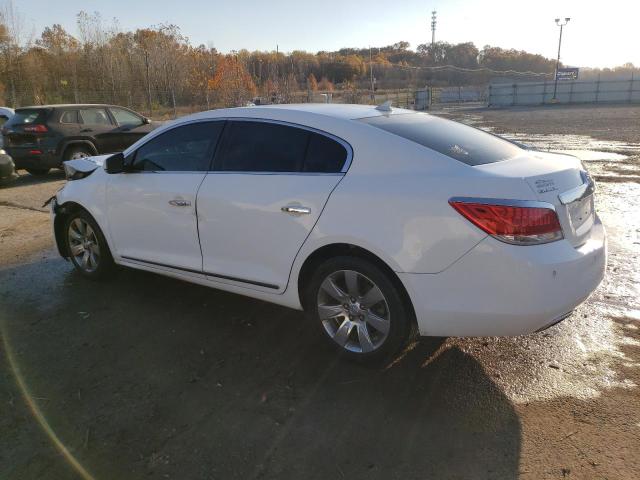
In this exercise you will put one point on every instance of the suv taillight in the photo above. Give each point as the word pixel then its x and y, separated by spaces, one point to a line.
pixel 36 128
pixel 515 224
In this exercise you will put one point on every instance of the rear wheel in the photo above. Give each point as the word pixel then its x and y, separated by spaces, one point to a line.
pixel 75 152
pixel 37 171
pixel 359 309
pixel 87 247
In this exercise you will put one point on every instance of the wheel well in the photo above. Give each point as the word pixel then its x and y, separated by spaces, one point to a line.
pixel 88 145
pixel 62 212
pixel 345 249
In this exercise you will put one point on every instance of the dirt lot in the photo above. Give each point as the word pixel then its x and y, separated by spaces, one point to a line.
pixel 148 377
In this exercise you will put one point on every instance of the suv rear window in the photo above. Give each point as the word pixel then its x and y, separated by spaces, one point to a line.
pixel 28 115
pixel 460 142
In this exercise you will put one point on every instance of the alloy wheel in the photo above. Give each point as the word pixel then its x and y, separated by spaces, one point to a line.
pixel 353 311
pixel 78 154
pixel 83 245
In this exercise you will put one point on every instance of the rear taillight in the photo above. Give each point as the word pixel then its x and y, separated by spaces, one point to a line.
pixel 36 128
pixel 515 222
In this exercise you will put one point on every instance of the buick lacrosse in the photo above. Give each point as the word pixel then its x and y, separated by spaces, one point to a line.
pixel 379 222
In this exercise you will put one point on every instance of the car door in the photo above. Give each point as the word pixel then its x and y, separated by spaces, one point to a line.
pixel 268 187
pixel 151 208
pixel 131 127
pixel 98 126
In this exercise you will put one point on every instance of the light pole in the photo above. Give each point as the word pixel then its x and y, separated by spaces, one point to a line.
pixel 555 83
pixel 433 27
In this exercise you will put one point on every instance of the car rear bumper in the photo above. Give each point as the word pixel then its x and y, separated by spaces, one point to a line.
pixel 25 157
pixel 498 289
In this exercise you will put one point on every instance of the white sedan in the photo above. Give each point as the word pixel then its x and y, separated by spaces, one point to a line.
pixel 378 222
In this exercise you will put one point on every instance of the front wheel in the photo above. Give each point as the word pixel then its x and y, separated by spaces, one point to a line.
pixel 87 247
pixel 359 308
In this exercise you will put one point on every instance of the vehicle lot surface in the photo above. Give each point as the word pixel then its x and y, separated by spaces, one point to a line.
pixel 148 377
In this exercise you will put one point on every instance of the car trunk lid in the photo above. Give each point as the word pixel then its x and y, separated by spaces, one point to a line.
pixel 557 179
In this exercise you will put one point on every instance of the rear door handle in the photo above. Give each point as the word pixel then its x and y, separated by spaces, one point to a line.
pixel 296 210
pixel 180 203
pixel 86 130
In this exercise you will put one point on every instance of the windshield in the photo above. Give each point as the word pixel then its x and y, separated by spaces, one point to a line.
pixel 456 140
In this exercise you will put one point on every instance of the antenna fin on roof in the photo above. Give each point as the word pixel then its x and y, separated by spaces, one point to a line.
pixel 385 107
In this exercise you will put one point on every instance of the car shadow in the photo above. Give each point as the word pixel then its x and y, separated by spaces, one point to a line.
pixel 24 178
pixel 150 376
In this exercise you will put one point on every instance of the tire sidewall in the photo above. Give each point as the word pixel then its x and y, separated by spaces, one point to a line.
pixel 400 315
pixel 105 265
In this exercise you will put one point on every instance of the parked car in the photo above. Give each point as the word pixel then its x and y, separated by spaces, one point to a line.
pixel 7 168
pixel 377 222
pixel 42 137
pixel 5 114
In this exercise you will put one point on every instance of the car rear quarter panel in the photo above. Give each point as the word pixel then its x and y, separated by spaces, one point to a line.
pixel 394 202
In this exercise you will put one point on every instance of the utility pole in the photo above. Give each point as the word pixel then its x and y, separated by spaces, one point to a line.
pixel 433 27
pixel 146 64
pixel 373 93
pixel 555 83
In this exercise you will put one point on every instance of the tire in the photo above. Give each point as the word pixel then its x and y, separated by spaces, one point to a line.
pixel 38 171
pixel 74 152
pixel 363 324
pixel 86 246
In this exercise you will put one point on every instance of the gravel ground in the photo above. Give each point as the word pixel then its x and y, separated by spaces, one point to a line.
pixel 149 377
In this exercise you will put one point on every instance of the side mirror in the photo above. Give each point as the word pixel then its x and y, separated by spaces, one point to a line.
pixel 146 121
pixel 115 163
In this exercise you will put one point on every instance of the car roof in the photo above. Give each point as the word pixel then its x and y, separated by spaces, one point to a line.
pixel 336 110
pixel 68 105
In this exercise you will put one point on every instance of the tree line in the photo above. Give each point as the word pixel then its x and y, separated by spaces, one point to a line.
pixel 156 69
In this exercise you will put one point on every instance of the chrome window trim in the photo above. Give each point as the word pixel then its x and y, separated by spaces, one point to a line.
pixel 239 172
pixel 344 143
pixel 505 202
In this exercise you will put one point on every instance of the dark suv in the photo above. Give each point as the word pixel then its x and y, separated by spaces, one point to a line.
pixel 42 137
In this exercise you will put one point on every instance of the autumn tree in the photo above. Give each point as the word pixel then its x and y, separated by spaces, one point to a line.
pixel 325 85
pixel 312 83
pixel 232 84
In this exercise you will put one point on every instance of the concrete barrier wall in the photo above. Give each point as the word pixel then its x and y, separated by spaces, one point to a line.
pixel 538 93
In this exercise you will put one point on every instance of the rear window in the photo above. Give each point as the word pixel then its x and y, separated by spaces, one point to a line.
pixel 70 116
pixel 460 142
pixel 28 115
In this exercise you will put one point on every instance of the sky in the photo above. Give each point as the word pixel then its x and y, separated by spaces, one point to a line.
pixel 599 34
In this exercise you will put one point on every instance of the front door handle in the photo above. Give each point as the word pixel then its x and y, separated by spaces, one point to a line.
pixel 180 203
pixel 296 210
pixel 86 130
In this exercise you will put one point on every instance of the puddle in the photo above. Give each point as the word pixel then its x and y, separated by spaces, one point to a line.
pixel 582 146
pixel 594 155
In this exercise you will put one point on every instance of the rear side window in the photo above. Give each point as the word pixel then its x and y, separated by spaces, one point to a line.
pixel 70 116
pixel 187 148
pixel 126 118
pixel 324 155
pixel 263 147
pixel 95 116
pixel 27 116
pixel 461 142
